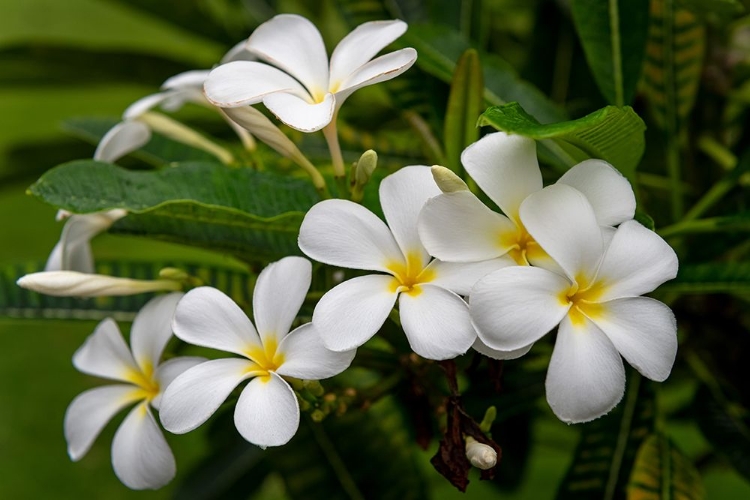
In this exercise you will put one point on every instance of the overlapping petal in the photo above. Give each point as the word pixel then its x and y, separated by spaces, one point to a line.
pixel 460 277
pixel 141 456
pixel 361 45
pixel 279 293
pixel 240 83
pixel 299 113
pixel 170 370
pixel 207 317
pixel 378 70
pixel 152 329
pixel 267 412
pixel 105 354
pixel 586 377
pixel 488 351
pixel 122 139
pixel 436 322
pixel 353 311
pixel 306 358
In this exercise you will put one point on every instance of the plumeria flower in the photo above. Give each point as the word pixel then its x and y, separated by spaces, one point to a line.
pixel 596 302
pixel 433 315
pixel 458 227
pixel 77 284
pixel 141 456
pixel 267 412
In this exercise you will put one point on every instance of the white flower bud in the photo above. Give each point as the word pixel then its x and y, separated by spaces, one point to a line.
pixel 480 455
pixel 75 284
pixel 447 181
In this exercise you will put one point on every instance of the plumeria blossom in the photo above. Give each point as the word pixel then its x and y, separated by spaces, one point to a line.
pixel 433 315
pixel 267 412
pixel 298 84
pixel 141 456
pixel 77 284
pixel 458 227
pixel 596 302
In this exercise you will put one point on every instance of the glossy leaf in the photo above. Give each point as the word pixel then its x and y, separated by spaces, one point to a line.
pixel 465 104
pixel 254 215
pixel 662 472
pixel 712 277
pixel 612 134
pixel 613 35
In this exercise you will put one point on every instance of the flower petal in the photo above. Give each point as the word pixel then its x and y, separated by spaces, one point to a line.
pixel 608 191
pixel 294 44
pixel 457 227
pixel 562 221
pixel 644 331
pixel 516 306
pixel 267 412
pixel 141 456
pixel 402 196
pixel 122 139
pixel 378 70
pixel 459 277
pixel 352 312
pixel 195 395
pixel 141 106
pixel 361 45
pixel 436 322
pixel 105 354
pixel 299 113
pixel 186 79
pixel 152 329
pixel 305 356
pixel 505 167
pixel 279 293
pixel 238 52
pixel 488 351
pixel 586 378
pixel 90 411
pixel 240 83
pixel 343 233
pixel 207 317
pixel 636 262
pixel 170 370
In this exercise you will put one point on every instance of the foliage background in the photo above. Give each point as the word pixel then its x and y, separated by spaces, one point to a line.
pixel 94 57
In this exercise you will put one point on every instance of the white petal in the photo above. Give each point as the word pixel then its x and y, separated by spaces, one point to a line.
pixel 294 44
pixel 141 106
pixel 187 79
pixel 586 378
pixel 104 354
pixel 90 411
pixel 123 138
pixel 152 329
pixel 299 113
pixel 305 356
pixel 644 331
pixel 483 348
pixel 240 83
pixel 402 196
pixel 349 314
pixel 207 317
pixel 460 277
pixel 436 322
pixel 195 395
pixel 458 227
pixel 238 52
pixel 505 167
pixel 343 233
pixel 608 191
pixel 55 259
pixel 170 370
pixel 378 70
pixel 516 306
pixel 74 249
pixel 279 293
pixel 177 98
pixel 141 456
pixel 77 284
pixel 361 45
pixel 636 262
pixel 561 220
pixel 267 412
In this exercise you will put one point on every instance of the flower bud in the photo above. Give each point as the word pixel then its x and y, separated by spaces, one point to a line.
pixel 480 455
pixel 447 181
pixel 365 167
pixel 75 284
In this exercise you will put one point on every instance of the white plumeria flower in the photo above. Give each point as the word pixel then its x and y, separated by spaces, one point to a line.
pixel 458 227
pixel 267 412
pixel 433 315
pixel 298 85
pixel 141 456
pixel 77 284
pixel 596 302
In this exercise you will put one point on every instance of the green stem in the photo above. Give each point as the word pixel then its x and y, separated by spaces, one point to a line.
pixel 614 26
pixel 671 129
pixel 184 134
pixel 332 138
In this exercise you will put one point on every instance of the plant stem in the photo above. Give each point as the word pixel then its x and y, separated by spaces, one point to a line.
pixel 332 138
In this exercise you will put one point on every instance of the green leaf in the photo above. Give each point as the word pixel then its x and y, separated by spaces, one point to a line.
pixel 725 9
pixel 662 472
pixel 16 302
pixel 714 277
pixel 613 35
pixel 254 215
pixel 359 455
pixel 607 448
pixel 612 134
pixel 465 104
pixel 728 223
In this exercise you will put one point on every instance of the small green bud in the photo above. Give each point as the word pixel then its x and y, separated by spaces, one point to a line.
pixel 365 167
pixel 447 181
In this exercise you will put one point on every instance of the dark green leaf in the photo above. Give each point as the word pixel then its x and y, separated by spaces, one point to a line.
pixel 255 215
pixel 722 8
pixel 607 449
pixel 713 277
pixel 465 104
pixel 613 35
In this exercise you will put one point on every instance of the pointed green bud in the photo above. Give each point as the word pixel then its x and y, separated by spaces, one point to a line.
pixel 172 273
pixel 447 181
pixel 365 167
pixel 489 419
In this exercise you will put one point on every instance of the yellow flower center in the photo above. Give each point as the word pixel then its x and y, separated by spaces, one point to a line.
pixel 583 302
pixel 522 245
pixel 266 358
pixel 407 277
pixel 148 387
